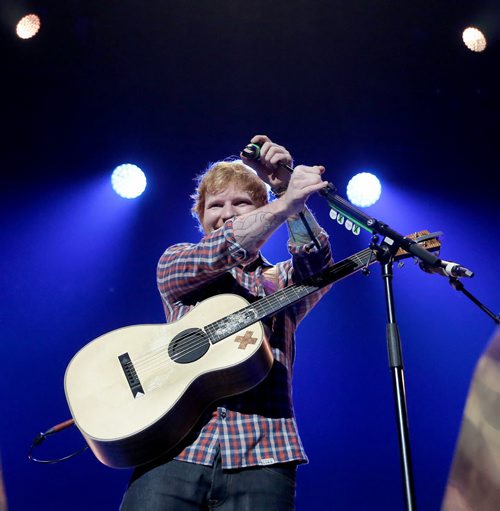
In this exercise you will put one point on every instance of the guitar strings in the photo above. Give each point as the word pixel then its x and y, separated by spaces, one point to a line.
pixel 141 362
pixel 153 358
pixel 188 347
pixel 192 345
pixel 148 360
pixel 156 357
pixel 161 358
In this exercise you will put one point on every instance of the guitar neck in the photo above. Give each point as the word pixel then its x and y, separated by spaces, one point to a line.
pixel 283 298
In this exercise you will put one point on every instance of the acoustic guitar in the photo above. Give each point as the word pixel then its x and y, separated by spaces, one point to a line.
pixel 136 392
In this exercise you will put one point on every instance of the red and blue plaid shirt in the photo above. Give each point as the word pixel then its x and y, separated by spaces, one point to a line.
pixel 257 427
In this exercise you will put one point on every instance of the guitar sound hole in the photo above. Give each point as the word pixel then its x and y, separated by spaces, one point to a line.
pixel 188 346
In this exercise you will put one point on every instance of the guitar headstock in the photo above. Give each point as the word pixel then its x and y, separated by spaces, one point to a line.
pixel 429 241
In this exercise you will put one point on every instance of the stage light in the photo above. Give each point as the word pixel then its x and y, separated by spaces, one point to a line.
pixel 474 39
pixel 28 26
pixel 128 181
pixel 364 189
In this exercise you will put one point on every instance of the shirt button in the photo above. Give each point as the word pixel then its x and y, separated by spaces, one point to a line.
pixel 223 414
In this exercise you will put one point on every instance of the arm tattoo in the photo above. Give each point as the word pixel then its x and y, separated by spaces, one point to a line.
pixel 253 230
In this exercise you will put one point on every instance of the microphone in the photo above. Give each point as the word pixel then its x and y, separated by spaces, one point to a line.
pixel 447 269
pixel 252 151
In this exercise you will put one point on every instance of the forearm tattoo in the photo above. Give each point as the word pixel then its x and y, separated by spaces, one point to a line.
pixel 253 230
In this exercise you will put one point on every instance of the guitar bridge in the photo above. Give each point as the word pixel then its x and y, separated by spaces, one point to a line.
pixel 131 375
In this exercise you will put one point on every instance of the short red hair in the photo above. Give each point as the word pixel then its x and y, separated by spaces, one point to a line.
pixel 218 176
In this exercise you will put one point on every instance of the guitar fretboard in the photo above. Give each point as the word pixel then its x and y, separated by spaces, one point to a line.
pixel 283 298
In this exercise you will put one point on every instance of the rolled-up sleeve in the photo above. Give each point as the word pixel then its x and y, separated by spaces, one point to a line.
pixel 185 267
pixel 309 259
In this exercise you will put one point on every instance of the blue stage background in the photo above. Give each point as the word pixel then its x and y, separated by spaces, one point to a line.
pixel 172 86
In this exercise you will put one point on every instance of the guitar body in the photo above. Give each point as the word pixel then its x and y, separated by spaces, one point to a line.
pixel 136 392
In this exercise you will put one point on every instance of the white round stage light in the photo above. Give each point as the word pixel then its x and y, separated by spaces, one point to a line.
pixel 364 189
pixel 474 39
pixel 28 26
pixel 128 181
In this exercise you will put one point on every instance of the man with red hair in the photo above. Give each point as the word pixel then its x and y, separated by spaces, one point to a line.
pixel 244 453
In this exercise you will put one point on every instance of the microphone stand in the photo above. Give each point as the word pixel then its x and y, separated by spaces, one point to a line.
pixel 394 351
pixel 385 252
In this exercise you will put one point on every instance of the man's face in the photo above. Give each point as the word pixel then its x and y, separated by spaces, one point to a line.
pixel 222 206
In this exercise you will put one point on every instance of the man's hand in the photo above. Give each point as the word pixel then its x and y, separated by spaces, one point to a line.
pixel 303 182
pixel 296 186
pixel 267 167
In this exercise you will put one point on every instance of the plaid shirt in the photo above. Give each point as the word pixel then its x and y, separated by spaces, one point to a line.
pixel 257 427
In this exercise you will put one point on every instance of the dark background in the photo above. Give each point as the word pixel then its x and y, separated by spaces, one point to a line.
pixel 172 85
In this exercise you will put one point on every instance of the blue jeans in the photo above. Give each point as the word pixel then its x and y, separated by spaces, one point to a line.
pixel 181 486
